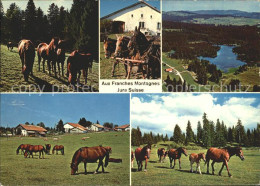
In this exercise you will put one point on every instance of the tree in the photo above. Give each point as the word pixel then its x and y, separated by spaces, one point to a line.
pixel 240 132
pixel 199 132
pixel 136 137
pixel 60 126
pixel 97 122
pixel 166 138
pixel 53 15
pixel 108 125
pixel 84 122
pixel 27 123
pixel 30 31
pixel 177 134
pixel 220 140
pixel 206 135
pixel 189 134
pixel 42 26
pixel 41 124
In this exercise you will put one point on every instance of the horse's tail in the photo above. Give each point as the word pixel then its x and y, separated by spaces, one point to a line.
pixel 107 159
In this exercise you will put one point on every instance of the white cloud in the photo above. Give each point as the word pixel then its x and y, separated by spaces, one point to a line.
pixel 163 112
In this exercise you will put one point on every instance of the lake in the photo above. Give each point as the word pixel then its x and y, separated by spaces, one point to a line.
pixel 225 59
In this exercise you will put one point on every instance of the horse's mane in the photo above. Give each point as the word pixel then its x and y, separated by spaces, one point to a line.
pixel 75 155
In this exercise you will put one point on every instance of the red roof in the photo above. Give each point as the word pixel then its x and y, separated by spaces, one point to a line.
pixel 123 126
pixel 76 125
pixel 33 127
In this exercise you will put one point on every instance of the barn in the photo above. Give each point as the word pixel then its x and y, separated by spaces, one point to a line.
pixel 139 14
pixel 30 130
pixel 74 128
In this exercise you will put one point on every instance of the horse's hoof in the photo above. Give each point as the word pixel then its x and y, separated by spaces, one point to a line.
pixel 145 170
pixel 95 172
pixel 230 176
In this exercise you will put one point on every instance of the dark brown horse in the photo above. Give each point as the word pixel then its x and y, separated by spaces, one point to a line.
pixel 10 46
pixel 23 148
pixel 58 148
pixel 48 148
pixel 142 154
pixel 35 148
pixel 222 156
pixel 90 155
pixel 161 152
pixel 61 56
pixel 75 63
pixel 49 53
pixel 176 154
pixel 27 54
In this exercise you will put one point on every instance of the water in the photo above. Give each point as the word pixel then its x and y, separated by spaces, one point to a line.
pixel 225 59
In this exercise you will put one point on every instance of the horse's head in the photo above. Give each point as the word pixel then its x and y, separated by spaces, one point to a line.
pixel 121 45
pixel 108 149
pixel 202 156
pixel 147 151
pixel 107 48
pixel 26 154
pixel 183 150
pixel 239 153
pixel 55 43
pixel 74 168
pixel 137 39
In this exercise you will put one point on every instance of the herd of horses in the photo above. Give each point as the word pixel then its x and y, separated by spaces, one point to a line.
pixel 137 50
pixel 84 154
pixel 54 54
pixel 215 154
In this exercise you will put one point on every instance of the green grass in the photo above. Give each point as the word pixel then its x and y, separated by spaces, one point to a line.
pixel 243 172
pixel 12 77
pixel 55 169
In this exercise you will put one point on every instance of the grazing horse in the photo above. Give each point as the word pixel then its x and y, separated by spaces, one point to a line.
pixel 90 155
pixel 196 158
pixel 48 148
pixel 10 46
pixel 23 148
pixel 27 54
pixel 58 148
pixel 48 52
pixel 176 154
pixel 121 51
pixel 161 152
pixel 222 155
pixel 61 56
pixel 77 62
pixel 142 154
pixel 35 148
pixel 132 159
pixel 145 50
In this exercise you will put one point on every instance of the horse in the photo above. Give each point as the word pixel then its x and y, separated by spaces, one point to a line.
pixel 121 51
pixel 90 155
pixel 61 56
pixel 27 54
pixel 142 154
pixel 161 152
pixel 176 154
pixel 132 159
pixel 196 158
pixel 48 148
pixel 35 148
pixel 23 148
pixel 48 52
pixel 75 63
pixel 145 50
pixel 109 47
pixel 58 148
pixel 222 155
pixel 10 46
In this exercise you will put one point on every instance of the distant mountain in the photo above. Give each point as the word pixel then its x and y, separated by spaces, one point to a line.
pixel 237 13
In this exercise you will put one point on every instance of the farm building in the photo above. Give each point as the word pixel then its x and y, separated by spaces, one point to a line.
pixel 30 130
pixel 74 128
pixel 168 70
pixel 97 127
pixel 123 128
pixel 139 14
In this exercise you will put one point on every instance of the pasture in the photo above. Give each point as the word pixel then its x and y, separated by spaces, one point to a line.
pixel 55 169
pixel 12 78
pixel 243 172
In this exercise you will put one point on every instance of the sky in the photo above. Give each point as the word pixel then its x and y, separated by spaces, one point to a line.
pixel 177 5
pixel 160 113
pixel 38 3
pixel 110 6
pixel 50 108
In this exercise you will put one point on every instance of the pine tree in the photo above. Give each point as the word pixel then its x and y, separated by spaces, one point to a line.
pixel 206 135
pixel 60 126
pixel 240 132
pixel 199 132
pixel 30 22
pixel 220 140
pixel 53 15
pixel 42 26
pixel 189 134
pixel 177 134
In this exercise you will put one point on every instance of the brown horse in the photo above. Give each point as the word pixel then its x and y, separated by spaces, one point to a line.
pixel 48 148
pixel 109 47
pixel 49 53
pixel 58 148
pixel 27 54
pixel 176 154
pixel 90 155
pixel 10 46
pixel 35 148
pixel 161 152
pixel 23 148
pixel 196 158
pixel 142 154
pixel 77 62
pixel 61 56
pixel 222 155
pixel 132 159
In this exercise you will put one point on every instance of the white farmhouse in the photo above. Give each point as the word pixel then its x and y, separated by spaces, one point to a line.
pixel 97 127
pixel 30 130
pixel 139 14
pixel 74 128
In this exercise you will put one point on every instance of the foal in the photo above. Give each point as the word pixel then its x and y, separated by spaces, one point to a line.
pixel 196 158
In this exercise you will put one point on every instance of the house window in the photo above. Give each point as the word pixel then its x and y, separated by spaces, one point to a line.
pixel 158 34
pixel 141 24
pixel 142 15
pixel 158 25
pixel 132 15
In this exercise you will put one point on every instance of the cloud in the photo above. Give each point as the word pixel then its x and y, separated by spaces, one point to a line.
pixel 162 113
pixel 17 103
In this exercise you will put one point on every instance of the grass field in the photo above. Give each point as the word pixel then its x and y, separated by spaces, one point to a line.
pixel 243 172
pixel 12 77
pixel 55 169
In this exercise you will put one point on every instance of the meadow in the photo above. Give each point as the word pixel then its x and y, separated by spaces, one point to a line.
pixel 12 78
pixel 243 172
pixel 55 169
